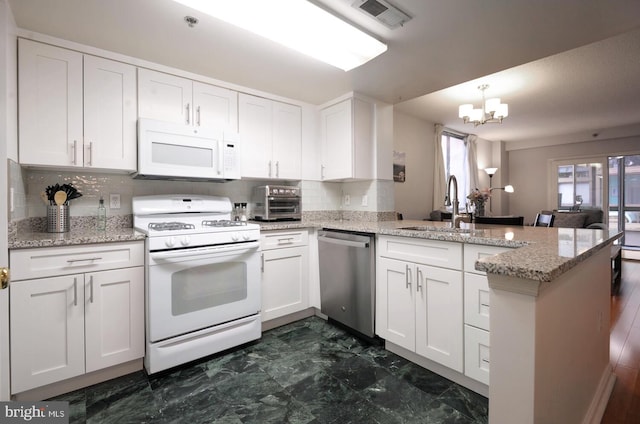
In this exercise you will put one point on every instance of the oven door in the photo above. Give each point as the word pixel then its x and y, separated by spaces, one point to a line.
pixel 192 289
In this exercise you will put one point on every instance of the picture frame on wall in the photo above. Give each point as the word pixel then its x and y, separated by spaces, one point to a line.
pixel 399 166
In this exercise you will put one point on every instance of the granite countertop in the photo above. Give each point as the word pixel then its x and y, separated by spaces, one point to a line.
pixel 25 240
pixel 539 253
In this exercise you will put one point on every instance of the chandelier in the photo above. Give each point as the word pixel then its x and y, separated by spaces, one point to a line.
pixel 492 111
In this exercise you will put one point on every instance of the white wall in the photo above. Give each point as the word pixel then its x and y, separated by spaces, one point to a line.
pixel 530 170
pixel 414 197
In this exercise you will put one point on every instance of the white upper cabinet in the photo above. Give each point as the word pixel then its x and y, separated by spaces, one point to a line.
pixel 71 118
pixel 170 98
pixel 271 138
pixel 110 114
pixel 50 105
pixel 347 136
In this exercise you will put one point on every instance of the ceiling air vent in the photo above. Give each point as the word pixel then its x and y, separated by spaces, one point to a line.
pixel 382 11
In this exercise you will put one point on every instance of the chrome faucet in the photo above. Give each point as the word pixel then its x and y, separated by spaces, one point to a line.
pixel 455 222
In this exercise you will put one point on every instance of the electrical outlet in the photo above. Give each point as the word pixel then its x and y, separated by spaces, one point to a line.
pixel 114 201
pixel 347 200
pixel 365 200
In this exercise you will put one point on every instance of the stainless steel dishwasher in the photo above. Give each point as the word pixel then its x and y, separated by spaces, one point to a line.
pixel 347 278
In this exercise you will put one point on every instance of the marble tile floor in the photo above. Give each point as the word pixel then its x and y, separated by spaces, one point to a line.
pixel 307 372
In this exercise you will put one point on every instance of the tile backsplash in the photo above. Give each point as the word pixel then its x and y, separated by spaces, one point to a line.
pixel 28 183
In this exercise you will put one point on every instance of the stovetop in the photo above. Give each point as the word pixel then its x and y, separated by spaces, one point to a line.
pixel 189 221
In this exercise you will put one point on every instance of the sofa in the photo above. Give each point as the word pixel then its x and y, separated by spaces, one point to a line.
pixel 583 218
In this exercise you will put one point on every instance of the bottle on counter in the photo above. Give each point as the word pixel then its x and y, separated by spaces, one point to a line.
pixel 102 215
pixel 243 214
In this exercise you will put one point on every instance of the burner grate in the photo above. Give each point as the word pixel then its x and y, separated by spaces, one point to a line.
pixel 222 223
pixel 170 226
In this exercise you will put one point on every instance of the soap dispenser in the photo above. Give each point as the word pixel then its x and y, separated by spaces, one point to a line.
pixel 102 215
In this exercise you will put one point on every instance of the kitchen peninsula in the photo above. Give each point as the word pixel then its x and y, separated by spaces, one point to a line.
pixel 549 321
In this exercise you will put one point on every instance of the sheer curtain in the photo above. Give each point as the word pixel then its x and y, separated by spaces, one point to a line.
pixel 472 161
pixel 439 173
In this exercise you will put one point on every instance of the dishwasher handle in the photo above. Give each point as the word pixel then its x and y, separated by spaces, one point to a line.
pixel 341 242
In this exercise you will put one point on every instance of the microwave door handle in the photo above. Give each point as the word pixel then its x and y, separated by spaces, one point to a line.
pixel 220 156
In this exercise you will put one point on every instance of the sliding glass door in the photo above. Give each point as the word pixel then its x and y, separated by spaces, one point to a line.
pixel 624 198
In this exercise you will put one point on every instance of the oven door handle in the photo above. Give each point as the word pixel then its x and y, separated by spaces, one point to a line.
pixel 209 250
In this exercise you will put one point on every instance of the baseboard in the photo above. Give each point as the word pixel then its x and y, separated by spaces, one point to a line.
pixel 287 319
pixel 601 397
pixel 79 382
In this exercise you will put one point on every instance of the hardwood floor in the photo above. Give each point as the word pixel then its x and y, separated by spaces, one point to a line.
pixel 624 404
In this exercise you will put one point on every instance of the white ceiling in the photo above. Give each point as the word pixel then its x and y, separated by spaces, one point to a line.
pixel 580 74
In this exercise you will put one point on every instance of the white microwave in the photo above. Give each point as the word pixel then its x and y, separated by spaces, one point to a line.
pixel 181 152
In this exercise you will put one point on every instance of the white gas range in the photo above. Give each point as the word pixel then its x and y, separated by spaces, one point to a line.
pixel 202 281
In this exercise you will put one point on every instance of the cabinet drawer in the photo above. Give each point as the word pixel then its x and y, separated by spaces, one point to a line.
pixel 473 252
pixel 428 252
pixel 476 300
pixel 50 261
pixel 279 239
pixel 476 354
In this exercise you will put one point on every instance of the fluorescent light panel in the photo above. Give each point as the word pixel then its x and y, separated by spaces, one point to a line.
pixel 299 25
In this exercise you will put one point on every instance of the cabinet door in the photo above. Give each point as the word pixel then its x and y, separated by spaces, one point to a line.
pixel 395 302
pixel 439 324
pixel 215 107
pixel 110 114
pixel 114 318
pixel 50 105
pixel 337 141
pixel 164 97
pixel 254 123
pixel 287 141
pixel 47 331
pixel 284 281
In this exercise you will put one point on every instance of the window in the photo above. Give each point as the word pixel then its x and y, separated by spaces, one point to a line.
pixel 454 152
pixel 578 184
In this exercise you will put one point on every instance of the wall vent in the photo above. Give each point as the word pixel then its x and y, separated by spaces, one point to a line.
pixel 382 11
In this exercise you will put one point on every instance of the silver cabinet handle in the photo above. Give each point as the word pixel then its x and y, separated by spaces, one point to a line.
pixel 408 277
pixel 89 154
pixel 262 262
pixel 418 280
pixel 486 361
pixel 74 156
pixel 484 304
pixel 188 114
pixel 198 116
pixel 71 261
pixel 75 291
pixel 91 289
pixel 277 169
pixel 322 172
pixel 286 240
pixel 269 169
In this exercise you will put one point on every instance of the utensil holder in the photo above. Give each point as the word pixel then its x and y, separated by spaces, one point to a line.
pixel 58 219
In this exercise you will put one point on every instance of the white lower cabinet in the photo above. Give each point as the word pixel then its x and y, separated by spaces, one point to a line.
pixel 285 273
pixel 68 325
pixel 419 306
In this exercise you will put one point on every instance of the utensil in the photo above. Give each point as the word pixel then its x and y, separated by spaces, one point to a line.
pixel 45 198
pixel 60 197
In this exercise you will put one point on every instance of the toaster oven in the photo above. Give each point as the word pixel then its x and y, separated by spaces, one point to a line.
pixel 276 203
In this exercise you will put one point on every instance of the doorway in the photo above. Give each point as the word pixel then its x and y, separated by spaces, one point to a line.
pixel 624 199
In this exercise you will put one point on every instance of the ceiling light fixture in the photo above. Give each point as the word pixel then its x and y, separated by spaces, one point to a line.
pixel 299 25
pixel 491 111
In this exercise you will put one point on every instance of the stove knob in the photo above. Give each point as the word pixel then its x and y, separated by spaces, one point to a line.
pixel 170 242
pixel 235 237
pixel 246 237
pixel 185 241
